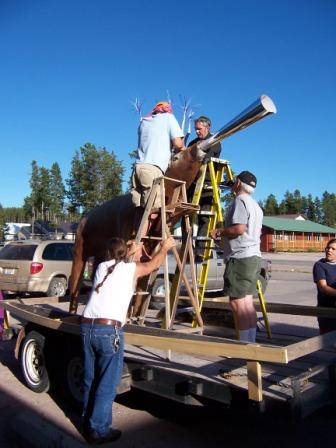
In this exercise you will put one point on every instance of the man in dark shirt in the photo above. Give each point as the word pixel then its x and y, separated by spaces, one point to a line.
pixel 203 132
pixel 324 273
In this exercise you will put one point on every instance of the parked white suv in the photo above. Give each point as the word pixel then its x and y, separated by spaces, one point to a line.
pixel 41 266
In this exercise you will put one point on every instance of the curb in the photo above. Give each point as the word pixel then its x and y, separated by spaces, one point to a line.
pixel 279 269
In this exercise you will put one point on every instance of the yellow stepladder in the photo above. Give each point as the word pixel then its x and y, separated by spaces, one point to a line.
pixel 215 214
pixel 6 323
pixel 263 308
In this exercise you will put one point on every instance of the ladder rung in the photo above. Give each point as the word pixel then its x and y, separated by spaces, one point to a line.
pixel 206 213
pixel 148 237
pixel 183 205
pixel 176 181
pixel 221 161
pixel 185 309
pixel 141 293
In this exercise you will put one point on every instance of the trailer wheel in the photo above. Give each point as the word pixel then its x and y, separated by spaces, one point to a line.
pixel 73 378
pixel 32 362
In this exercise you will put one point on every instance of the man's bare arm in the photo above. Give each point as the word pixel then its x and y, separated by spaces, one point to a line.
pixel 326 289
pixel 230 232
pixel 177 144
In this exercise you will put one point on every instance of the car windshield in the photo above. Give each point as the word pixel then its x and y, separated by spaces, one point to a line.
pixel 17 252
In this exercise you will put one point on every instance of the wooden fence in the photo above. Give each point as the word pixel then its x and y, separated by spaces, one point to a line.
pixel 298 246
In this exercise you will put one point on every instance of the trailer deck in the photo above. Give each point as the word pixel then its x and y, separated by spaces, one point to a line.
pixel 287 370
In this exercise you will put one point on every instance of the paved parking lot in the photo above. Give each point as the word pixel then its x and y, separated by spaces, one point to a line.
pixel 43 420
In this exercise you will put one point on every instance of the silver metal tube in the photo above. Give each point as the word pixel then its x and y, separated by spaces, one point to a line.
pixel 256 111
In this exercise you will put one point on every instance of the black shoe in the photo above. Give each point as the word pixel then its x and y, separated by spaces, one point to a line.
pixel 95 439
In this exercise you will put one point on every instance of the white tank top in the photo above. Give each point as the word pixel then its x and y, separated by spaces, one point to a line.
pixel 114 296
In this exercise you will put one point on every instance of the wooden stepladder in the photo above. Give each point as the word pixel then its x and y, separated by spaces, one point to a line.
pixel 172 211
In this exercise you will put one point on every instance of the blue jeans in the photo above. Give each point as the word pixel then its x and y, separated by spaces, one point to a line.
pixel 103 347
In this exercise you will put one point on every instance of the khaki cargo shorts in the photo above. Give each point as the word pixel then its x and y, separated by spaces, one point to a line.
pixel 143 177
pixel 240 276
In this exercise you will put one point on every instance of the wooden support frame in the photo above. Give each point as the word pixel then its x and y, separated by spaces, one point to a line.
pixel 36 311
pixel 278 308
pixel 254 380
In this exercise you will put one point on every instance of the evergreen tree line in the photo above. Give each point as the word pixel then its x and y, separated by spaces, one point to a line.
pixel 96 175
pixel 321 210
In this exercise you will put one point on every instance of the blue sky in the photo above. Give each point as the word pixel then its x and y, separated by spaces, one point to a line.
pixel 69 70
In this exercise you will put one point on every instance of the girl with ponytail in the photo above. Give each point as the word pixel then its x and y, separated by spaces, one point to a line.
pixel 102 334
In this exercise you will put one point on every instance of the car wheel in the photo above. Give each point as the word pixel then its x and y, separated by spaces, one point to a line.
pixel 57 287
pixel 158 294
pixel 33 364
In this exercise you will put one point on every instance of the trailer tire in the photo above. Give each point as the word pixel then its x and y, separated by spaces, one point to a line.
pixel 33 362
pixel 73 377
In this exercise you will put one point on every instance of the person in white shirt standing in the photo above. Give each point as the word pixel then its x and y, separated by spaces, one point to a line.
pixel 102 334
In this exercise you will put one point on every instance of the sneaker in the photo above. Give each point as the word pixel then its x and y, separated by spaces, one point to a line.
pixel 95 439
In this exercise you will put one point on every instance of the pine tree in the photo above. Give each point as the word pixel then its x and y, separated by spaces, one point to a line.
pixel 57 193
pixel 318 210
pixel 329 209
pixel 95 177
pixel 271 206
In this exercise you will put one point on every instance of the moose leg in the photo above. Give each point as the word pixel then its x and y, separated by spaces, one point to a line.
pixel 137 301
pixel 77 270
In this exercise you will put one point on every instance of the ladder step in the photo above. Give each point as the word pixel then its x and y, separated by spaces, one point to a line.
pixel 185 309
pixel 206 213
pixel 220 161
pixel 182 205
pixel 148 237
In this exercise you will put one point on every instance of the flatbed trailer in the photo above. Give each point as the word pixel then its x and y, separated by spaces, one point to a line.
pixel 288 370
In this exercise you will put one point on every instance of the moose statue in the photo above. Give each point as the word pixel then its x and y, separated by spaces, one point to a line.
pixel 116 216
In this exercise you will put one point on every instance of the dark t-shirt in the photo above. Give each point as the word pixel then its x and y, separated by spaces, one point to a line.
pixel 325 271
pixel 214 151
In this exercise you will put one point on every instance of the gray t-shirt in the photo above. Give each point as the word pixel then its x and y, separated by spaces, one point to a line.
pixel 244 210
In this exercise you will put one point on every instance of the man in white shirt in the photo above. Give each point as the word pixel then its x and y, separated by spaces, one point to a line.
pixel 159 133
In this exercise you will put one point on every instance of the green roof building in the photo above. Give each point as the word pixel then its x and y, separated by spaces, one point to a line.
pixel 294 235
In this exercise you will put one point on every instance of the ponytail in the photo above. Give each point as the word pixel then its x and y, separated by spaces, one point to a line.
pixel 116 249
